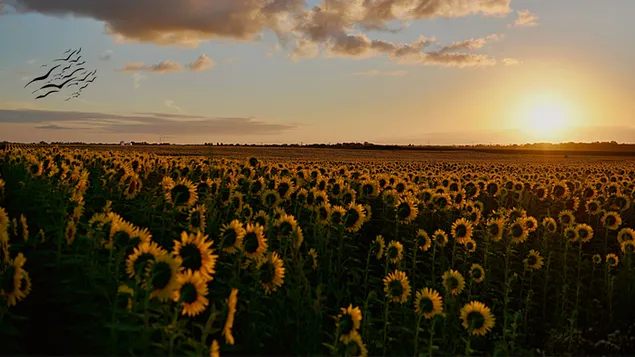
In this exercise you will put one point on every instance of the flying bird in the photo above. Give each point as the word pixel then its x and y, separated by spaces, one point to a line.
pixel 58 86
pixel 45 95
pixel 75 60
pixel 69 50
pixel 75 71
pixel 43 66
pixel 67 58
pixel 41 78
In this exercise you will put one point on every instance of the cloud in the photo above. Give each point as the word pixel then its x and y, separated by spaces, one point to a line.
pixel 374 72
pixel 165 67
pixel 142 123
pixel 472 44
pixel 172 105
pixel 134 67
pixel 54 127
pixel 511 62
pixel 202 63
pixel 459 60
pixel 106 55
pixel 525 19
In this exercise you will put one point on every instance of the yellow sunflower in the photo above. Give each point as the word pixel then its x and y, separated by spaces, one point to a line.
pixel 453 282
pixel 231 236
pixel 495 228
pixel 440 238
pixel 196 219
pixel 611 220
pixel 627 247
pixel 477 318
pixel 314 258
pixel 196 254
pixel 625 234
pixel 161 276
pixel 271 272
pixel 566 217
pixel 285 225
pixel 423 241
pixel 612 260
pixel 397 287
pixel 354 217
pixel 517 231
pixel 231 312
pixel 127 292
pixel 461 230
pixel 406 210
pixel 378 246
pixel 337 216
pixel 355 346
pixel 182 193
pixel 477 273
pixel 531 224
pixel 470 245
pixel 534 260
pixel 596 259
pixel 191 293
pixel 584 232
pixel 550 224
pixel 349 321
pixel 142 255
pixel 394 252
pixel 254 242
pixel 571 234
pixel 428 303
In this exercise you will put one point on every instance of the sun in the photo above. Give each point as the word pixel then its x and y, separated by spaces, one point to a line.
pixel 546 119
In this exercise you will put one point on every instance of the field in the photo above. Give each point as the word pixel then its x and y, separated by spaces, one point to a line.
pixel 111 250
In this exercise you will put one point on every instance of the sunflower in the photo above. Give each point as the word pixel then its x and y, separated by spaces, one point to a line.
pixel 566 218
pixel 462 230
pixel 254 242
pixel 453 282
pixel 612 260
pixel 394 252
pixel 428 303
pixel 323 213
pixel 470 245
pixel 349 321
pixel 354 217
pixel 285 225
pixel 314 258
pixel 423 241
pixel 25 228
pixel 571 234
pixel 231 236
pixel 261 218
pixel 611 220
pixel 517 231
pixel 271 272
pixel 534 260
pixel 377 246
pixel 121 233
pixel 397 287
pixel 584 232
pixel 550 224
pixel 627 247
pixel 592 207
pixel 477 318
pixel 477 273
pixel 232 301
pixel 196 219
pixel 141 257
pixel 270 198
pixel 559 191
pixel 531 224
pixel 625 234
pixel 70 232
pixel 191 292
pixel 390 197
pixel 196 254
pixel 11 278
pixel 355 346
pixel 597 259
pixel 495 228
pixel 182 193
pixel 161 275
pixel 440 238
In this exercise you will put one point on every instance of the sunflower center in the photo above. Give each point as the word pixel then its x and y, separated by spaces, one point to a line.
pixel 346 324
pixel 476 273
pixel 195 220
pixel 461 231
pixel 251 242
pixel 267 272
pixel 180 195
pixel 475 320
pixel 393 252
pixel 189 293
pixel 286 228
pixel 347 197
pixel 352 216
pixel 395 288
pixel 583 233
pixel 494 229
pixel 452 283
pixel 368 189
pixel 426 305
pixel 558 191
pixel 283 188
pixel 270 199
pixel 191 255
pixel 403 211
pixel 610 220
pixel 229 237
pixel 161 275
pixel 532 260
pixel 517 230
pixel 323 213
pixel 422 241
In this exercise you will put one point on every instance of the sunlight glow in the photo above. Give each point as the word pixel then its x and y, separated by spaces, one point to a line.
pixel 546 118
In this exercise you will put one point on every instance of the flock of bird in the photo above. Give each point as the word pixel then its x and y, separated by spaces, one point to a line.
pixel 73 73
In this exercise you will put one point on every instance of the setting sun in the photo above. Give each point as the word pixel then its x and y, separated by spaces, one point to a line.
pixel 545 117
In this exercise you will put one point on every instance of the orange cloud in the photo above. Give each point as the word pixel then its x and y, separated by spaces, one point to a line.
pixel 525 19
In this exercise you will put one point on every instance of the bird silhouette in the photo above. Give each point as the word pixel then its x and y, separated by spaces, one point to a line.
pixel 67 58
pixel 45 95
pixel 41 78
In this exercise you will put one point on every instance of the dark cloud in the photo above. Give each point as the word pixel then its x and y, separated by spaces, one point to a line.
pixel 142 123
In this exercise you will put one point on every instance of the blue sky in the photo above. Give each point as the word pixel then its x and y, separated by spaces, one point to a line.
pixel 572 56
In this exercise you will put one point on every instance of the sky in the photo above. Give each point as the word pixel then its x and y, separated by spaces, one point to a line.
pixel 432 72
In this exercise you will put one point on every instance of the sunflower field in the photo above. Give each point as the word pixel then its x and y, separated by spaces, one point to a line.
pixel 134 253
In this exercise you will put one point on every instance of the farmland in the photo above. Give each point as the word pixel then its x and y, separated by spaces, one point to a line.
pixel 261 251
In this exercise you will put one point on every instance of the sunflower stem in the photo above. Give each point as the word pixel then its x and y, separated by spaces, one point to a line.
pixel 417 335
pixel 431 339
pixel 385 342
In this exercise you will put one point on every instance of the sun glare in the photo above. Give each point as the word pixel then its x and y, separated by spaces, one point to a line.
pixel 546 119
